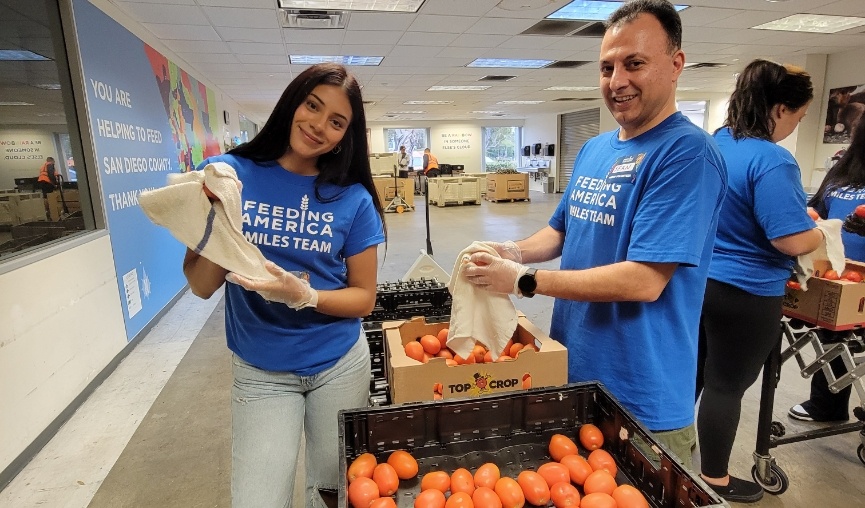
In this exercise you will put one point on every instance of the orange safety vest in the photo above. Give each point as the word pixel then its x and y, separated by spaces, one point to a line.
pixel 44 176
pixel 433 163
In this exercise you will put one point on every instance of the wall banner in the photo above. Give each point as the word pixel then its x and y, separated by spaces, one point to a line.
pixel 148 118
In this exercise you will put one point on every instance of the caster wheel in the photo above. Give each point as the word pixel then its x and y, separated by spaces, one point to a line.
pixel 777 429
pixel 861 452
pixel 777 483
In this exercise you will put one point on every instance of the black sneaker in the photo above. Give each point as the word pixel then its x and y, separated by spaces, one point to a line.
pixel 800 412
pixel 739 491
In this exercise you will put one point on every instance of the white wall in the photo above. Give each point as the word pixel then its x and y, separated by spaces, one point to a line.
pixel 59 327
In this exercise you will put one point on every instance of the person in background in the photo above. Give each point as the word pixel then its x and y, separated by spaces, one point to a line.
pixel 47 177
pixel 762 227
pixel 430 164
pixel 403 159
pixel 70 170
pixel 300 354
pixel 634 231
pixel 842 190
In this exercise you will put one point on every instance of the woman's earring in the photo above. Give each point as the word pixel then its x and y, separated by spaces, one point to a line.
pixel 337 149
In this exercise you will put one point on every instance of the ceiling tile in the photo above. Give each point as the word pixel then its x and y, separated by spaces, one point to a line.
pixel 208 57
pixel 262 59
pixel 500 26
pixel 309 36
pixel 256 48
pixel 252 4
pixel 183 32
pixel 237 34
pixel 444 24
pixel 181 47
pixel 397 22
pixel 469 8
pixel 314 49
pixel 479 40
pixel 699 16
pixel 426 39
pixel 242 17
pixel 364 50
pixel 468 54
pixel 165 13
pixel 367 37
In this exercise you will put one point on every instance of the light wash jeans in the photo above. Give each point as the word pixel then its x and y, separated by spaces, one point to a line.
pixel 270 411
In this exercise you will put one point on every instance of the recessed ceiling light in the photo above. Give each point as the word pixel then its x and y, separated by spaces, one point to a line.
pixel 406 112
pixel 354 5
pixel 21 55
pixel 15 103
pixel 428 102
pixel 519 102
pixel 506 63
pixel 344 60
pixel 487 112
pixel 48 86
pixel 597 10
pixel 814 23
pixel 571 88
pixel 442 88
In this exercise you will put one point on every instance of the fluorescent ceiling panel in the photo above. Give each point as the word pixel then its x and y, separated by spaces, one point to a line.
pixel 442 88
pixel 344 60
pixel 21 55
pixel 519 102
pixel 354 5
pixel 15 103
pixel 505 63
pixel 814 23
pixel 571 88
pixel 596 10
pixel 428 102
pixel 48 86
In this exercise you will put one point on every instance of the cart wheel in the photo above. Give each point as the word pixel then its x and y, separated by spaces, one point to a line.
pixel 777 483
pixel 777 429
pixel 861 452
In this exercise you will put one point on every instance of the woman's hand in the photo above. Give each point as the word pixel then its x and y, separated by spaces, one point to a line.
pixel 286 288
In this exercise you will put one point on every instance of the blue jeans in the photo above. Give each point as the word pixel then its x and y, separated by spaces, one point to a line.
pixel 271 410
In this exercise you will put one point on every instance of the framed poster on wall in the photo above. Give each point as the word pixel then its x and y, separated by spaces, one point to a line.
pixel 843 112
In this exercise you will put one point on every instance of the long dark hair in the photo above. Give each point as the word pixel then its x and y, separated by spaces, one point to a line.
pixel 350 163
pixel 761 86
pixel 847 172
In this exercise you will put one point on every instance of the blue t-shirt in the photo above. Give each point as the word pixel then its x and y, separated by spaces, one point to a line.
pixel 765 201
pixel 838 204
pixel 292 228
pixel 653 198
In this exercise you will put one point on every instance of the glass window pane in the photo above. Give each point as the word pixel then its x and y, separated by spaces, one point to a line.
pixel 414 140
pixel 500 148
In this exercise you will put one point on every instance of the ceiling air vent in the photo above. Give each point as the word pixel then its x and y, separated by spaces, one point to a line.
pixel 555 27
pixel 567 64
pixel 590 30
pixel 496 78
pixel 295 18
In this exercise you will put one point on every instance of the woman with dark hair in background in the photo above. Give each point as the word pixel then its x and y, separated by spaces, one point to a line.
pixel 762 227
pixel 842 190
pixel 300 354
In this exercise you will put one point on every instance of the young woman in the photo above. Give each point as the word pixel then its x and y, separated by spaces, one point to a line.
pixel 842 190
pixel 762 227
pixel 300 354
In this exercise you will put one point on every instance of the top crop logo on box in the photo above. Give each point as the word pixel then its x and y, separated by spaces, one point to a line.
pixel 481 384
pixel 625 168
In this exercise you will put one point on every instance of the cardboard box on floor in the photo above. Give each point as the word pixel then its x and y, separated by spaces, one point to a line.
pixel 831 304
pixel 507 186
pixel 412 381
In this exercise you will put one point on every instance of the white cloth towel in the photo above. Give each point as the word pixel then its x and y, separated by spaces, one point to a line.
pixel 213 230
pixel 832 249
pixel 478 314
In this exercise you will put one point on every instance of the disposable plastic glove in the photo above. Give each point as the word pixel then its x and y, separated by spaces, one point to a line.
pixel 507 250
pixel 287 288
pixel 494 273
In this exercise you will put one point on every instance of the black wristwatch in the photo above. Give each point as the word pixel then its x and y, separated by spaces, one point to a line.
pixel 527 283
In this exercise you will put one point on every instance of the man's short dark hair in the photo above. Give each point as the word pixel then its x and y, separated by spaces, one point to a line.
pixel 662 10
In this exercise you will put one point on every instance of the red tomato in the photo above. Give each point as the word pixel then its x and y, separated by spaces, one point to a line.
pixel 792 284
pixel 600 459
pixel 362 491
pixel 487 476
pixel 565 495
pixel 627 496
pixel 383 502
pixel 578 468
pixel 462 481
pixel 591 437
pixel 561 445
pixel 600 481
pixel 385 477
pixel 363 465
pixel 443 337
pixel 535 488
pixel 852 276
pixel 403 463
pixel 510 493
pixel 430 344
pixel 860 211
pixel 430 499
pixel 598 500
pixel 414 350
pixel 831 275
pixel 438 480
pixel 486 498
pixel 554 472
pixel 460 500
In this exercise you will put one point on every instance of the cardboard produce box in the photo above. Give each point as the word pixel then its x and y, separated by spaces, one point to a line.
pixel 504 186
pixel 831 304
pixel 412 381
pixel 386 189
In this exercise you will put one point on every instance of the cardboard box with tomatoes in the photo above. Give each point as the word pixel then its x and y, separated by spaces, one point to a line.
pixel 413 381
pixel 833 301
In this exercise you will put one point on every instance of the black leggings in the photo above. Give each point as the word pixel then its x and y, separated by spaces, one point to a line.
pixel 737 332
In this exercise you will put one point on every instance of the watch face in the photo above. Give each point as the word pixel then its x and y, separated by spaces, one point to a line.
pixel 527 283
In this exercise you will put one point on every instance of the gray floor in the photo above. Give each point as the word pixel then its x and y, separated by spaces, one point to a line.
pixel 179 455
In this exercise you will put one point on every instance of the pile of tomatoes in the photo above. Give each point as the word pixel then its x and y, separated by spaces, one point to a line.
pixel 435 346
pixel 371 485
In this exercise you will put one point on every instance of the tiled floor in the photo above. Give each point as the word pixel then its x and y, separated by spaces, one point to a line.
pixel 70 470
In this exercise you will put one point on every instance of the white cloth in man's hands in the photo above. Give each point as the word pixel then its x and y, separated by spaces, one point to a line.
pixel 285 288
pixel 832 249
pixel 477 314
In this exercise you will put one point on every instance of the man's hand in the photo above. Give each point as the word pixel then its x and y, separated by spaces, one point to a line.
pixel 286 288
pixel 507 250
pixel 494 274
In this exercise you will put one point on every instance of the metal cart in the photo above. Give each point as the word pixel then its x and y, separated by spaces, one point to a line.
pixel 770 433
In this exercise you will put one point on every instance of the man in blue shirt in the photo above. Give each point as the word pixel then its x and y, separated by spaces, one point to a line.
pixel 634 231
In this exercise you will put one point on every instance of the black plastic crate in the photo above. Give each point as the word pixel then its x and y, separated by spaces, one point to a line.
pixel 513 430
